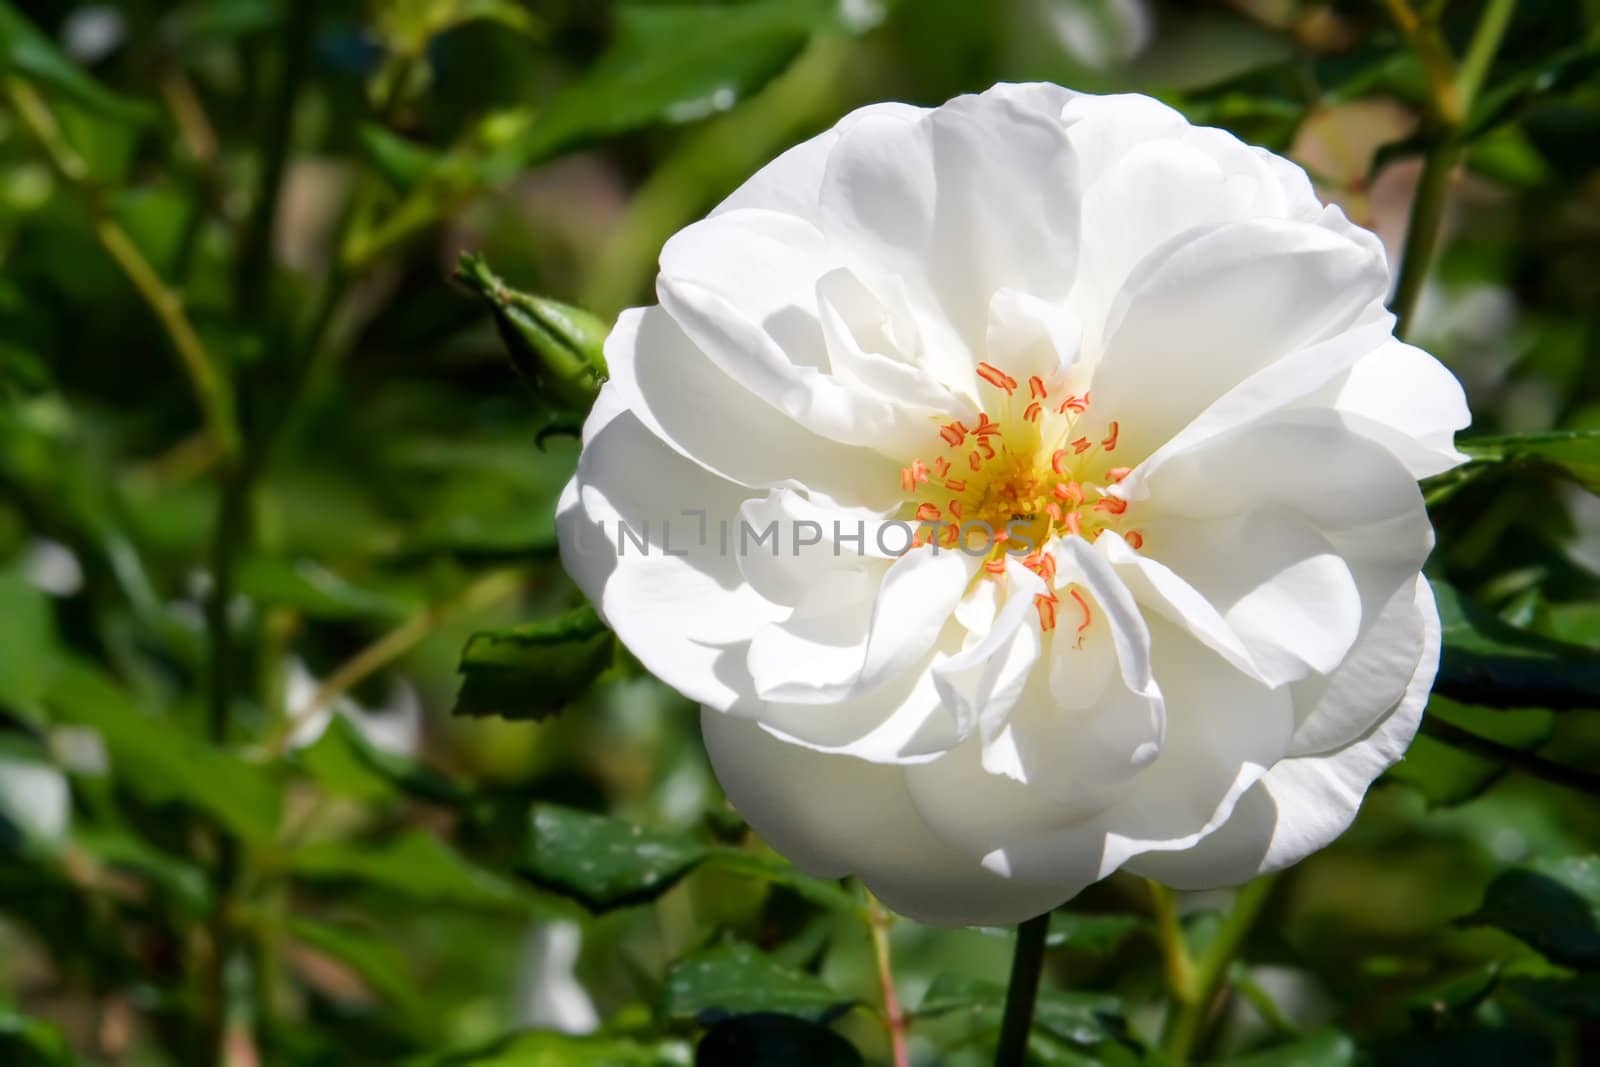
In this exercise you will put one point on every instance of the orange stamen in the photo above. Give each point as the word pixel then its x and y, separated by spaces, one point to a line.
pixel 953 433
pixel 1073 525
pixel 956 485
pixel 941 466
pixel 1116 474
pixel 1134 538
pixel 1055 460
pixel 955 508
pixel 1081 445
pixel 919 470
pixel 975 461
pixel 995 566
pixel 908 481
pixel 927 513
pixel 1112 504
pixel 997 377
pixel 985 427
pixel 1111 439
pixel 1036 387
pixel 1070 491
pixel 1046 606
pixel 986 448
pixel 1083 606
pixel 1032 412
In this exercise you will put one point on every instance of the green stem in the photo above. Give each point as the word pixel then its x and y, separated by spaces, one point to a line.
pixel 1481 51
pixel 211 390
pixel 1562 774
pixel 255 251
pixel 1023 991
pixel 1453 89
pixel 1422 234
pixel 1185 1026
pixel 1174 950
pixel 894 1016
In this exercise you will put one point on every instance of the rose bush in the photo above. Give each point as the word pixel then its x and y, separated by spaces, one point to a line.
pixel 1026 488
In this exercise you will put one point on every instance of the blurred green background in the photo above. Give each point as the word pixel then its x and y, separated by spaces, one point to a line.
pixel 264 471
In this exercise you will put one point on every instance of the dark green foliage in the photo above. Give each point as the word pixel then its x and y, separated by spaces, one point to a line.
pixel 274 504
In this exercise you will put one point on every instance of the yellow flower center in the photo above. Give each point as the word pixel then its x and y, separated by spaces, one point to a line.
pixel 1027 472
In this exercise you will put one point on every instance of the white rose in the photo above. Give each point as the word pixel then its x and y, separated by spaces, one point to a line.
pixel 1145 345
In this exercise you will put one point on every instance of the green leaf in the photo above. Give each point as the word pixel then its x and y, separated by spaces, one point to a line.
pixel 26 1042
pixel 26 52
pixel 1457 995
pixel 347 764
pixel 1578 997
pixel 162 763
pixel 603 862
pixel 416 865
pixel 181 880
pixel 542 1048
pixel 402 162
pixel 777 871
pixel 1094 935
pixel 318 592
pixel 673 63
pixel 1489 662
pixel 1078 1018
pixel 773 1040
pixel 738 979
pixel 379 962
pixel 1566 69
pixel 1552 904
pixel 1325 1048
pixel 27 645
pixel 1574 452
pixel 534 670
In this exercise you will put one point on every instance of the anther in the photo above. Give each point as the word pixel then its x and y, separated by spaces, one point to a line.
pixel 1046 606
pixel 1055 460
pixel 1110 441
pixel 1032 412
pixel 953 433
pixel 1081 445
pixel 997 377
pixel 1036 387
pixel 1083 606
pixel 956 485
pixel 1134 538
pixel 1113 504
pixel 1116 474
pixel 974 461
pixel 941 466
pixel 927 513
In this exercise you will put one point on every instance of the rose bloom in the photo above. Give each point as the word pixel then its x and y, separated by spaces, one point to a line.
pixel 1146 358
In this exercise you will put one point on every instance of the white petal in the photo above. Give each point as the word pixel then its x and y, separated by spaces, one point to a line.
pixel 919 199
pixel 1317 463
pixel 860 627
pixel 692 405
pixel 681 606
pixel 1415 400
pixel 1335 709
pixel 791 183
pixel 1303 803
pixel 985 680
pixel 902 721
pixel 834 815
pixel 1280 586
pixel 1205 311
pixel 1028 336
pixel 1222 732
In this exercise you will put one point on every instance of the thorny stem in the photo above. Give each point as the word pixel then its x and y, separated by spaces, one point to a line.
pixel 1022 992
pixel 894 1017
